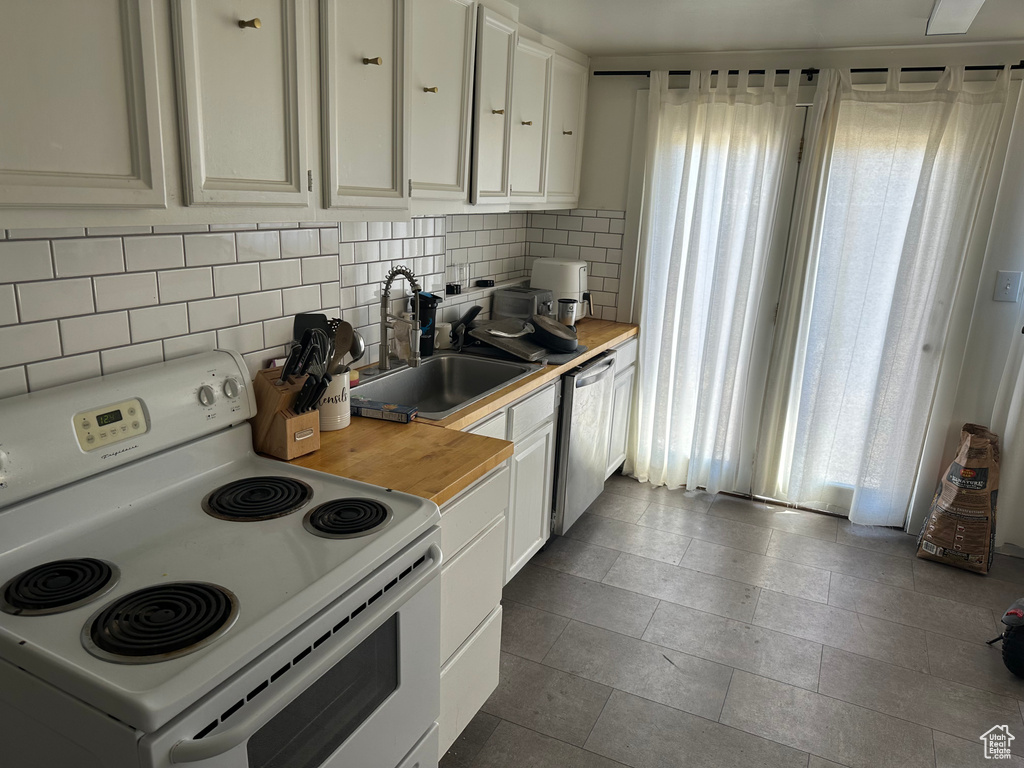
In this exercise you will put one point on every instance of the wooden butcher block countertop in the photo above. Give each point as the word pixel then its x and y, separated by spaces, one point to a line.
pixel 437 464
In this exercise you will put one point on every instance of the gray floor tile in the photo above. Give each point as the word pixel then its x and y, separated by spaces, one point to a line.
pixel 625 508
pixel 627 537
pixel 463 753
pixel 951 752
pixel 933 578
pixel 700 525
pixel 644 734
pixel 602 605
pixel 546 700
pixel 826 727
pixel 579 558
pixel 528 632
pixel 888 541
pixel 627 664
pixel 840 558
pixel 937 614
pixel 711 594
pixel 680 497
pixel 1007 568
pixel 513 746
pixel 762 651
pixel 879 639
pixel 816 525
pixel 973 664
pixel 765 572
pixel 948 707
pixel 820 762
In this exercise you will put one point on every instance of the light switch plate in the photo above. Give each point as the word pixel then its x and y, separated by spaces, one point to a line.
pixel 1007 286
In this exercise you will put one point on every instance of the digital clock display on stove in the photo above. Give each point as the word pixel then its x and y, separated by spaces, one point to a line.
pixel 108 418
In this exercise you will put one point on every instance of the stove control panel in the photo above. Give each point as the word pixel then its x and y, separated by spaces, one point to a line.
pixel 100 427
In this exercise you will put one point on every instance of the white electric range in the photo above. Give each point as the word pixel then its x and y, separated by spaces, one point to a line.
pixel 168 597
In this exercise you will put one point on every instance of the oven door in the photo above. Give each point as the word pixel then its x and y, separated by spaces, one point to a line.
pixel 358 685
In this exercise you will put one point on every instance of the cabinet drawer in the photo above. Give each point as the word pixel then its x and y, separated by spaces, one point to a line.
pixel 471 586
pixel 532 411
pixel 625 355
pixel 468 679
pixel 493 426
pixel 468 514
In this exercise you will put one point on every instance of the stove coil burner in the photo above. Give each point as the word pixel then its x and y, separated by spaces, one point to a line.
pixel 257 498
pixel 160 622
pixel 347 518
pixel 58 586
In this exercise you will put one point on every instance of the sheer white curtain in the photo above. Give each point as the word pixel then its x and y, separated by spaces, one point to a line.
pixel 714 168
pixel 904 169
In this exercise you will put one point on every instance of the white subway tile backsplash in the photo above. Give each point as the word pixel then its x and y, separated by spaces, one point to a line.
pixel 354 274
pixel 213 313
pixel 182 346
pixel 258 246
pixel 28 342
pixel 45 234
pixel 125 291
pixel 179 229
pixel 330 238
pixel 151 253
pixel 185 285
pixel 300 242
pixel 329 297
pixel 236 278
pixel 13 382
pixel 158 322
pixel 346 253
pixel 581 238
pixel 608 241
pixel 8 305
pixel 319 269
pixel 378 230
pixel 88 256
pixel 92 332
pixel 55 298
pixel 64 370
pixel 241 338
pixel 203 250
pixel 280 274
pixel 22 261
pixel 370 251
pixel 595 225
pixel 123 358
pixel 278 225
pixel 259 306
pixel 303 299
pixel 391 250
pixel 352 231
pixel 278 331
pixel 400 229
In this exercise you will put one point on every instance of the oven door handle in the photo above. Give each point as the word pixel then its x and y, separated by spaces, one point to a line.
pixel 193 751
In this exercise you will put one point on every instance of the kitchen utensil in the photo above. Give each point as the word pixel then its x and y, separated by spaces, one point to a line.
pixel 460 328
pixel 307 320
pixel 343 338
pixel 525 330
pixel 306 351
pixel 523 348
pixel 304 397
pixel 291 364
pixel 333 404
pixel 567 309
pixel 552 335
pixel 358 348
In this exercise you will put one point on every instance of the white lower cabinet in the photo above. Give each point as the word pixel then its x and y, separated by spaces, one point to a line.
pixel 469 677
pixel 529 517
pixel 622 402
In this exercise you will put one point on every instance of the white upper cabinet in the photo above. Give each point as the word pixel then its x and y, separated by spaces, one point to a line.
pixel 363 73
pixel 495 58
pixel 529 123
pixel 565 131
pixel 79 118
pixel 242 102
pixel 441 84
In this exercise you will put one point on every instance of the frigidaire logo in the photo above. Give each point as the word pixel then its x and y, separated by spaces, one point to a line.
pixel 118 453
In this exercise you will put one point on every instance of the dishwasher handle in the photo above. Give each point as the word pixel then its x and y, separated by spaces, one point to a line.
pixel 596 373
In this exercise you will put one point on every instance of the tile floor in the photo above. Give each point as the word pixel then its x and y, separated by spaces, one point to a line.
pixel 674 628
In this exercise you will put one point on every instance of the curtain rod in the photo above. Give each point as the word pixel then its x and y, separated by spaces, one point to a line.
pixel 810 72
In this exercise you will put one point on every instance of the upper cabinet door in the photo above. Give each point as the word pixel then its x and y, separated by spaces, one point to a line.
pixel 441 81
pixel 242 101
pixel 495 56
pixel 79 116
pixel 565 133
pixel 529 124
pixel 364 108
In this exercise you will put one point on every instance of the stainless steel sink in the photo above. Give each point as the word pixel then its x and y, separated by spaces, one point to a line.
pixel 444 382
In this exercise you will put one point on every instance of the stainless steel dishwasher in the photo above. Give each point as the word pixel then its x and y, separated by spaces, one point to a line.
pixel 583 431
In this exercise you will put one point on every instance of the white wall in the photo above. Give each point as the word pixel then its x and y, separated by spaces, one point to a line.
pixel 609 132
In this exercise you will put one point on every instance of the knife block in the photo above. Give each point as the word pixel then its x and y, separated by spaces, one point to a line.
pixel 277 429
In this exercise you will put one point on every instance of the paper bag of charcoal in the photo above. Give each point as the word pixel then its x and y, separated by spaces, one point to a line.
pixel 961 526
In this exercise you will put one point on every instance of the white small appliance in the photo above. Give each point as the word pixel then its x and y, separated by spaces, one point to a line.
pixel 169 598
pixel 565 278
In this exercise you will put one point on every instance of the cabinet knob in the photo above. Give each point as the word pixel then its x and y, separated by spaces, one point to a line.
pixel 567 133
pixel 378 61
pixel 430 90
pixel 253 23
pixel 497 111
pixel 527 122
